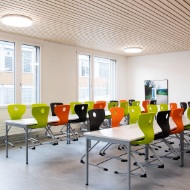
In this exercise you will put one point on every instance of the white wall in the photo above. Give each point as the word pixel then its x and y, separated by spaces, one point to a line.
pixel 59 72
pixel 172 66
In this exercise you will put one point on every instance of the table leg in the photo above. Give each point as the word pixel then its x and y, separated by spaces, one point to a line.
pixel 26 143
pixel 146 152
pixel 6 138
pixel 87 160
pixel 129 166
pixel 182 149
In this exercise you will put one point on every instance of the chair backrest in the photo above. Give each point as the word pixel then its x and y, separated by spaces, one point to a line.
pixel 188 113
pixel 188 103
pixel 163 107
pixel 177 118
pixel 16 111
pixel 172 107
pixel 96 118
pixel 112 104
pixel 81 111
pixel 184 106
pixel 153 102
pixel 117 114
pixel 99 104
pixel 62 112
pixel 152 108
pixel 136 103
pixel 40 113
pixel 134 112
pixel 52 105
pixel 72 106
pixel 38 104
pixel 90 104
pixel 163 122
pixel 122 100
pixel 130 101
pixel 145 123
pixel 124 105
pixel 103 104
pixel 144 105
pixel 115 101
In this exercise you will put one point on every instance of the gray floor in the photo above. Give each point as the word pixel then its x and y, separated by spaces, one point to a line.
pixel 59 168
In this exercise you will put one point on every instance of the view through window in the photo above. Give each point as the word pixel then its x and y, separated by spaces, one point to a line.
pixel 11 84
pixel 97 83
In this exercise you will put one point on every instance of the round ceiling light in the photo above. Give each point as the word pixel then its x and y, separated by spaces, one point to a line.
pixel 16 20
pixel 133 50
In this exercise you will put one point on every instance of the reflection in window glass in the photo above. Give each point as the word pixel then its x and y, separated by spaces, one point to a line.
pixel 30 74
pixel 7 62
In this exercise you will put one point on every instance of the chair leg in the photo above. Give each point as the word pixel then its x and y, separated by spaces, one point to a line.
pixel 102 151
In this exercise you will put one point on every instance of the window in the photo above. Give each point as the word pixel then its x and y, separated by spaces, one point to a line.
pixel 28 69
pixel 101 78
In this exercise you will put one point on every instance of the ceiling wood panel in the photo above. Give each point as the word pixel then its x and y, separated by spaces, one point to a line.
pixel 159 26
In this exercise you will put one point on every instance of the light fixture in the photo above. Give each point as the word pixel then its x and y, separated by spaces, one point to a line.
pixel 16 20
pixel 133 50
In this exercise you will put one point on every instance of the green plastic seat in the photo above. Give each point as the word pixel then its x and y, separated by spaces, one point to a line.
pixel 90 104
pixel 16 111
pixel 134 112
pixel 152 108
pixel 188 116
pixel 40 113
pixel 72 106
pixel 145 123
pixel 163 107
pixel 38 104
pixel 136 103
pixel 125 106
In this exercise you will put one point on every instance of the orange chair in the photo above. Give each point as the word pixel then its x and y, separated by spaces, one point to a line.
pixel 177 118
pixel 100 105
pixel 117 114
pixel 62 112
pixel 122 101
pixel 172 107
pixel 144 105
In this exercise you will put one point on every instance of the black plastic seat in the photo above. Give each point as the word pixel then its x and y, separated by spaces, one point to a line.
pixel 153 102
pixel 52 105
pixel 184 106
pixel 130 101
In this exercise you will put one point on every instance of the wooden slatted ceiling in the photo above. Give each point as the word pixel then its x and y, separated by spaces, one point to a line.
pixel 158 26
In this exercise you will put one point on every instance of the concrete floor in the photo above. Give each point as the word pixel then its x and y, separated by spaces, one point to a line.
pixel 59 168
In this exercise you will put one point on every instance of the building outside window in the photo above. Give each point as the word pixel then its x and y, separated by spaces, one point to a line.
pixel 97 83
pixel 13 88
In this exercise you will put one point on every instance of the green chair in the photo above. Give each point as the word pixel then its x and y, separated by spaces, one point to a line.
pixel 40 113
pixel 16 111
pixel 134 112
pixel 125 106
pixel 90 104
pixel 136 103
pixel 145 123
pixel 38 104
pixel 152 108
pixel 72 106
pixel 163 107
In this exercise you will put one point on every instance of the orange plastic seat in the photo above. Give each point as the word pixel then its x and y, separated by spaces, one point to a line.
pixel 177 118
pixel 117 114
pixel 100 105
pixel 172 107
pixel 144 105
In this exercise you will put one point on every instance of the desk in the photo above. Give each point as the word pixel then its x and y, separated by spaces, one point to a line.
pixel 124 135
pixel 25 123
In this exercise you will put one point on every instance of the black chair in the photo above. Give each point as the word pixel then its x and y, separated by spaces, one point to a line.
pixel 96 118
pixel 115 101
pixel 52 105
pixel 184 106
pixel 188 103
pixel 163 122
pixel 153 102
pixel 130 101
pixel 81 111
